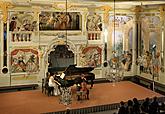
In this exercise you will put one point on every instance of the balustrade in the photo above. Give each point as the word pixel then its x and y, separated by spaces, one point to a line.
pixel 94 35
pixel 23 36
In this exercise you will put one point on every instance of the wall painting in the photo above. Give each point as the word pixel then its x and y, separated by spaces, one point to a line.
pixel 22 21
pixel 24 60
pixel 94 22
pixel 91 56
pixel 59 21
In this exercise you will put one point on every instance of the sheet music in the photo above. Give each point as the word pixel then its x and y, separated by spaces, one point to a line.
pixel 62 76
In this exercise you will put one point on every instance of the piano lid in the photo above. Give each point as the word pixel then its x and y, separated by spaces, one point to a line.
pixel 73 69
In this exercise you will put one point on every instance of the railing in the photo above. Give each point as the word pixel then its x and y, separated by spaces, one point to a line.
pixel 94 35
pixel 22 36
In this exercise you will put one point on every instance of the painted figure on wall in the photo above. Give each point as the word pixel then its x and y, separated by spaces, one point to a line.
pixel 59 21
pixel 94 22
pixel 22 21
pixel 156 65
pixel 120 20
pixel 91 56
pixel 24 60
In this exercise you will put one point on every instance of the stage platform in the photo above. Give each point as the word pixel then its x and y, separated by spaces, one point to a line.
pixel 103 96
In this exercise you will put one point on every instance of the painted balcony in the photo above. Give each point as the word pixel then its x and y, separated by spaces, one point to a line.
pixel 94 35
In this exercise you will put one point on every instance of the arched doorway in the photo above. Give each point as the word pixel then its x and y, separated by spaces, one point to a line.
pixel 60 58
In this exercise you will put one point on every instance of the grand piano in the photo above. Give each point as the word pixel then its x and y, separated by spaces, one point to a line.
pixel 73 74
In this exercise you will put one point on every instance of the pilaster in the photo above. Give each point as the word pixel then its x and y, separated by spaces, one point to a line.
pixel 162 19
pixel 135 45
pixel 5 6
pixel 106 10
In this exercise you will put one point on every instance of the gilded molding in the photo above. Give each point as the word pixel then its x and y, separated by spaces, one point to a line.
pixel 60 33
pixel 36 10
pixel 162 12
pixel 137 9
pixel 62 6
pixel 5 6
pixel 106 10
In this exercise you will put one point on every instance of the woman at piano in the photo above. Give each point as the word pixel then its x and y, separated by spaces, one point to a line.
pixel 53 85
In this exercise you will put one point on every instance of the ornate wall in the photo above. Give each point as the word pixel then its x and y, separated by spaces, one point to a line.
pixel 32 33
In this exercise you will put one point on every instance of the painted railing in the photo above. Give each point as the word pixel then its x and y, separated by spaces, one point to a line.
pixel 22 36
pixel 94 35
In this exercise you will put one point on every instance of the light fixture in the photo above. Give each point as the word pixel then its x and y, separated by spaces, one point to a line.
pixel 66 10
pixel 114 31
pixel 66 96
pixel 115 71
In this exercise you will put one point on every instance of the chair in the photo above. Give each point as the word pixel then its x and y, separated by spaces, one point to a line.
pixel 50 91
pixel 46 89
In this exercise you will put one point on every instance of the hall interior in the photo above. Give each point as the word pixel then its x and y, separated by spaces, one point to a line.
pixel 94 31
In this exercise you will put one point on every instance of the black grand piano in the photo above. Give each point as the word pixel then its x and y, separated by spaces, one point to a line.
pixel 73 76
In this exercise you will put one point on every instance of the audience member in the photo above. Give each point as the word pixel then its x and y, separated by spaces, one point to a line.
pixel 154 107
pixel 145 105
pixel 136 106
pixel 129 108
pixel 122 109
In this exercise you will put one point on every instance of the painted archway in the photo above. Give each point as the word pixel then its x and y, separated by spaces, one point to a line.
pixel 51 47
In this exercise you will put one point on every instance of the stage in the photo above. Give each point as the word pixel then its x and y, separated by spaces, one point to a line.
pixel 103 96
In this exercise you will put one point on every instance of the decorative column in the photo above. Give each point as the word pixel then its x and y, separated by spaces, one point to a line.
pixel 107 45
pixel 77 55
pixel 1 42
pixel 135 45
pixel 4 6
pixel 84 21
pixel 162 19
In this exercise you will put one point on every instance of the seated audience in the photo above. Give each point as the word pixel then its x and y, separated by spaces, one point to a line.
pixel 145 106
pixel 129 108
pixel 122 109
pixel 154 107
pixel 136 106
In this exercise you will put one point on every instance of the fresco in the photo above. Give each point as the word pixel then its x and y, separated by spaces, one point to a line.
pixel 120 20
pixel 24 60
pixel 91 56
pixel 60 21
pixel 94 22
pixel 22 21
pixel 151 21
pixel 151 26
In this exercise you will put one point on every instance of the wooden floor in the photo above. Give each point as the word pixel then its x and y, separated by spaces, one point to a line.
pixel 35 102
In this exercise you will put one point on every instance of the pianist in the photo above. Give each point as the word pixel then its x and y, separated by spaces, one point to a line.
pixel 53 86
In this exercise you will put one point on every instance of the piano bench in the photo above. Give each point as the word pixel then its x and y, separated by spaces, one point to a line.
pixel 50 91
